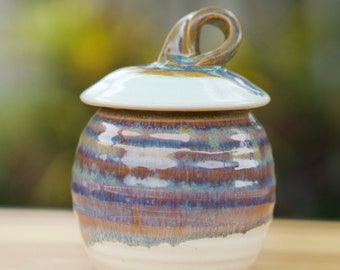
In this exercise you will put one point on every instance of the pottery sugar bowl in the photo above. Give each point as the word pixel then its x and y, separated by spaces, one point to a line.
pixel 174 171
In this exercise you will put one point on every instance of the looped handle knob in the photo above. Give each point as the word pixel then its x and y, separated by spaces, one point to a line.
pixel 181 47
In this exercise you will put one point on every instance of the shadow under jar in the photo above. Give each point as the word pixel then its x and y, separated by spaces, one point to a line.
pixel 174 171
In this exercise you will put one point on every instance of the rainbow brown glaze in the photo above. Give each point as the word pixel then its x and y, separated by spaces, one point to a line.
pixel 145 178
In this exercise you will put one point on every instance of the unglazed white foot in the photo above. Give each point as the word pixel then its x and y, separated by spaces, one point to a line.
pixel 234 252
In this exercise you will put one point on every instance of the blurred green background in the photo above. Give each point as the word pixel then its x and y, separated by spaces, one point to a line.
pixel 50 51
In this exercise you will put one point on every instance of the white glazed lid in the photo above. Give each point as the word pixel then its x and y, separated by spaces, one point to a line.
pixel 183 79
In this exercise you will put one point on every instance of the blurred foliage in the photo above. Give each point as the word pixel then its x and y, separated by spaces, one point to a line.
pixel 301 66
pixel 63 47
pixel 74 44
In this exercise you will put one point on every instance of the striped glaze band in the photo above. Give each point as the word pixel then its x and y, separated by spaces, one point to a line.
pixel 146 178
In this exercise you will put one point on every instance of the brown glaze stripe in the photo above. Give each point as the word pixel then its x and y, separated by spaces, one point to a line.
pixel 172 120
pixel 220 225
pixel 176 73
pixel 190 174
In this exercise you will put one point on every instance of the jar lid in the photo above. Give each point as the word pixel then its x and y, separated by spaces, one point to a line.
pixel 183 79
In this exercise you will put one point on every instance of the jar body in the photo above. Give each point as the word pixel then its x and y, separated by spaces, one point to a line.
pixel 170 189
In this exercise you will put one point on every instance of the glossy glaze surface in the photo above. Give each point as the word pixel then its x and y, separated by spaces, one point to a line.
pixel 182 45
pixel 168 88
pixel 147 178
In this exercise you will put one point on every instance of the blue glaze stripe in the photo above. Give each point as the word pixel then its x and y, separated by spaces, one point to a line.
pixel 187 200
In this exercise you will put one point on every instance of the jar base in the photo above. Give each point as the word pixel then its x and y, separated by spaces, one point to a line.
pixel 234 252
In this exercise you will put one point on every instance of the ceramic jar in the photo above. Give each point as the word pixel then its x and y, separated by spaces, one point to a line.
pixel 174 171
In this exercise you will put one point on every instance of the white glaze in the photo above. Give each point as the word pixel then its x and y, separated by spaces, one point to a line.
pixel 128 89
pixel 234 252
